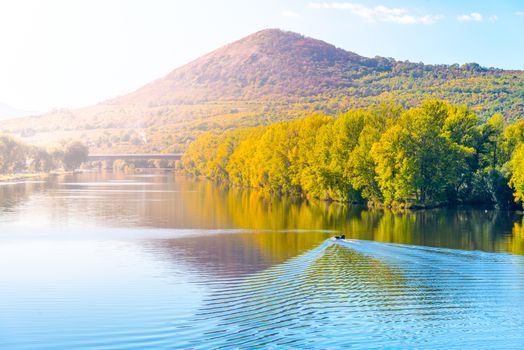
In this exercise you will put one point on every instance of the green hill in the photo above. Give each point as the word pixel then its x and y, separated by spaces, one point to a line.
pixel 269 76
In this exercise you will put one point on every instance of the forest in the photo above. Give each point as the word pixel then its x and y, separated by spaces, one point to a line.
pixel 17 157
pixel 435 154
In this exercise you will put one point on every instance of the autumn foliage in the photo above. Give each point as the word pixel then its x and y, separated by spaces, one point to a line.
pixel 434 154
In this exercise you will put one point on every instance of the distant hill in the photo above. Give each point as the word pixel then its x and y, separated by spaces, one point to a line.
pixel 7 112
pixel 269 76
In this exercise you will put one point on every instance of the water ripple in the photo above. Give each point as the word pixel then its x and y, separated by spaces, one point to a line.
pixel 358 294
pixel 369 295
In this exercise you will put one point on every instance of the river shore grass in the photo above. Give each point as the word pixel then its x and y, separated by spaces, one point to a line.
pixel 29 176
pixel 19 177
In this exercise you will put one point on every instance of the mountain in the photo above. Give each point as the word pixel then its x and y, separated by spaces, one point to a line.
pixel 265 77
pixel 7 112
pixel 270 63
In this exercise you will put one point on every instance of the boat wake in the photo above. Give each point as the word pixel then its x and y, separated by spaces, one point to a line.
pixel 368 294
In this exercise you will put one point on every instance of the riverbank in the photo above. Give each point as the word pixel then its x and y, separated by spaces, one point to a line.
pixel 19 177
pixel 30 176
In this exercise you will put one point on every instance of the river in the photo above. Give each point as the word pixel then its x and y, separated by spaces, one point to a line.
pixel 153 261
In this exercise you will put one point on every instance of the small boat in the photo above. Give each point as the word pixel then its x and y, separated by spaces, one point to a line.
pixel 340 237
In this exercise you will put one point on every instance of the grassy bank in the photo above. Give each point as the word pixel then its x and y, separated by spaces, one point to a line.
pixel 31 176
pixel 19 177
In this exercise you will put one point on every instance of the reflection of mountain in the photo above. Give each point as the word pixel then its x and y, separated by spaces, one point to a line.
pixel 239 254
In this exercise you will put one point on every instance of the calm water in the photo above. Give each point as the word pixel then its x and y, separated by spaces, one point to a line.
pixel 115 261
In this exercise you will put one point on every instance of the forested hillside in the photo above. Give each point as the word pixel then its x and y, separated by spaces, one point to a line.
pixel 267 77
pixel 434 154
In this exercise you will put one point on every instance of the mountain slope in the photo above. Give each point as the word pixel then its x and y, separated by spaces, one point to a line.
pixel 269 76
pixel 266 64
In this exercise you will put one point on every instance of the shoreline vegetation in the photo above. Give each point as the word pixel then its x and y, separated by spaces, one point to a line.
pixel 32 176
pixel 21 161
pixel 434 155
pixel 21 177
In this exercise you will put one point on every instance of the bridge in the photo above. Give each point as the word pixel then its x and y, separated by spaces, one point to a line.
pixel 136 156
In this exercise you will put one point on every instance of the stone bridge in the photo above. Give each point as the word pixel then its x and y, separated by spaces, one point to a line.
pixel 136 156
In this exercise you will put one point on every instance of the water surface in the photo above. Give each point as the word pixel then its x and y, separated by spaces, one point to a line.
pixel 116 261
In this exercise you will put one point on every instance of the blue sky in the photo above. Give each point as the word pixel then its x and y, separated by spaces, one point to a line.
pixel 73 53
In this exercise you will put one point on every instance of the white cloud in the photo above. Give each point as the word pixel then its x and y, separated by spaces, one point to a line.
pixel 472 17
pixel 289 14
pixel 519 13
pixel 477 17
pixel 378 13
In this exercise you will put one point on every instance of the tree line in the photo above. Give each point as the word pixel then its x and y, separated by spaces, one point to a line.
pixel 432 155
pixel 19 157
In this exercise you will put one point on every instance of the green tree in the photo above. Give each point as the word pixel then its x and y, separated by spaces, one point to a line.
pixel 327 178
pixel 417 161
pixel 434 154
pixel 361 166
pixel 513 136
pixel 75 154
pixel 13 155
pixel 491 137
pixel 516 165
pixel 240 168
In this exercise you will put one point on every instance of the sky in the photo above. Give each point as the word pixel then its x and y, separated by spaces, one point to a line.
pixel 75 53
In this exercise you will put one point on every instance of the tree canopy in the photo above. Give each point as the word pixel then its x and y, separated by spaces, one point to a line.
pixel 18 157
pixel 433 154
